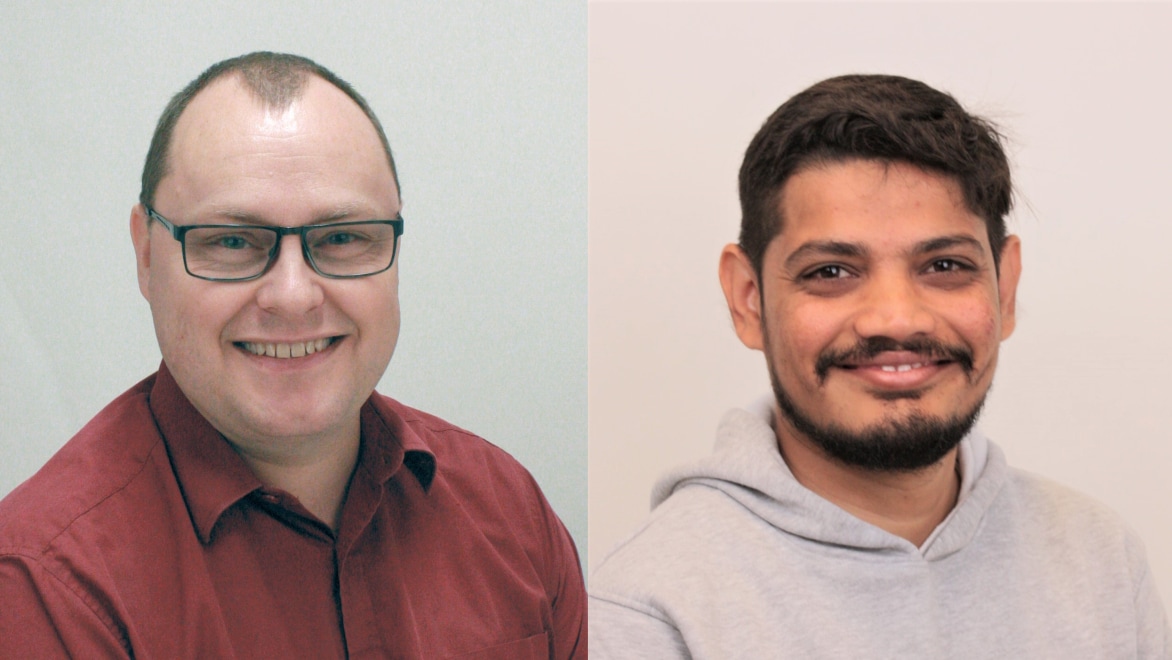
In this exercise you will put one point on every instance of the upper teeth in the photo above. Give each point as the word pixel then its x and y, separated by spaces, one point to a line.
pixel 295 350
pixel 901 367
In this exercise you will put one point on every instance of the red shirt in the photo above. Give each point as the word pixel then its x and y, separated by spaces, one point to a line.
pixel 148 536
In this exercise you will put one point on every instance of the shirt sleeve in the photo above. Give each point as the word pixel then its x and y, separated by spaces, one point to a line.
pixel 565 582
pixel 42 617
pixel 569 610
pixel 1154 638
pixel 621 632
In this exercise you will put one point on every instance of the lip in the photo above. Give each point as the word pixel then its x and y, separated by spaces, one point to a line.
pixel 897 370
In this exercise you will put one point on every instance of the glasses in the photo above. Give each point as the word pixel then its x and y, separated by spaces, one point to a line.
pixel 236 253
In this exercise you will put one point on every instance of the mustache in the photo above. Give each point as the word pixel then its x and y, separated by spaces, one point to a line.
pixel 930 349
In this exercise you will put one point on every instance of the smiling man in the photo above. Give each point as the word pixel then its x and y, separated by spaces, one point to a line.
pixel 857 513
pixel 256 497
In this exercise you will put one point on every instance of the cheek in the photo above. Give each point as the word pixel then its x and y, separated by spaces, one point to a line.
pixel 190 316
pixel 382 314
pixel 393 321
pixel 798 334
pixel 979 324
pixel 391 302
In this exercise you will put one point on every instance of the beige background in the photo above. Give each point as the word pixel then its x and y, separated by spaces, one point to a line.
pixel 1083 92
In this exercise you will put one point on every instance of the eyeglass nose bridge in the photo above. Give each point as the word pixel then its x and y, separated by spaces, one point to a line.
pixel 275 251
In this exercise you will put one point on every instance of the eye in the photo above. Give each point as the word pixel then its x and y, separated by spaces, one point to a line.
pixel 827 272
pixel 348 237
pixel 828 280
pixel 228 240
pixel 338 238
pixel 232 242
pixel 949 266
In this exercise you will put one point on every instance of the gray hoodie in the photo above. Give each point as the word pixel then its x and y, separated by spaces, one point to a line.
pixel 739 560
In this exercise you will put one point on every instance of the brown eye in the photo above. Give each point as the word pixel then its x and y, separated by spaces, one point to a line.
pixel 948 266
pixel 829 272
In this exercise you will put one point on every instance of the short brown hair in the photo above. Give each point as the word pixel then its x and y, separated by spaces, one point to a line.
pixel 872 117
pixel 276 79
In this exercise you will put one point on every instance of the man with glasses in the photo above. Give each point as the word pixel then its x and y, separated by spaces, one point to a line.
pixel 256 497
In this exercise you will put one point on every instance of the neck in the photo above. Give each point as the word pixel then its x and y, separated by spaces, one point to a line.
pixel 908 504
pixel 316 471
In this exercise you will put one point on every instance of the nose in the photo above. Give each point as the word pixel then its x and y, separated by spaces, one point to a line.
pixel 893 306
pixel 291 287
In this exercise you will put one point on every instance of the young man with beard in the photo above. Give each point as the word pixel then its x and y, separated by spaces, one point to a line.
pixel 857 513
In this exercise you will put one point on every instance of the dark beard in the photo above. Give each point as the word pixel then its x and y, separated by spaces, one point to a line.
pixel 896 445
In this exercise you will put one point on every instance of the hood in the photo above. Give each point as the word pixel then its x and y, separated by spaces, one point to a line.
pixel 747 467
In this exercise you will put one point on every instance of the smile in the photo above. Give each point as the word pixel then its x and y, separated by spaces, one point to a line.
pixel 285 351
pixel 893 373
pixel 901 367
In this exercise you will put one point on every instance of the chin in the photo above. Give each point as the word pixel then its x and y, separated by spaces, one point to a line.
pixel 905 441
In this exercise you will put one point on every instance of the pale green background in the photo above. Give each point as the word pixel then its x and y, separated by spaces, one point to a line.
pixel 485 107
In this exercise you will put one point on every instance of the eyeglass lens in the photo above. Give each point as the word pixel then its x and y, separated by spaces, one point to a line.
pixel 341 249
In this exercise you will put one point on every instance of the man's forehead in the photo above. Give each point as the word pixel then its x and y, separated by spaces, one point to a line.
pixel 228 107
pixel 228 99
pixel 857 176
pixel 232 148
pixel 864 202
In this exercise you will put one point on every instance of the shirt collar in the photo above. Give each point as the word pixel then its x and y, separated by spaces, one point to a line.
pixel 389 442
pixel 212 477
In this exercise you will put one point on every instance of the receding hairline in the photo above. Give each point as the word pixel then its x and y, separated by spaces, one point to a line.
pixel 275 81
pixel 267 99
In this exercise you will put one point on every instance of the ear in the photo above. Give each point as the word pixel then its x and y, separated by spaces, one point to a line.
pixel 1007 283
pixel 140 235
pixel 743 294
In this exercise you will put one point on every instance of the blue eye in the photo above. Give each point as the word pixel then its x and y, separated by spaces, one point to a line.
pixel 228 239
pixel 339 238
pixel 233 242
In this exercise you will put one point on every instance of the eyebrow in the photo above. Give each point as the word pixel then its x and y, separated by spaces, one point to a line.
pixel 845 249
pixel 946 242
pixel 827 248
pixel 244 217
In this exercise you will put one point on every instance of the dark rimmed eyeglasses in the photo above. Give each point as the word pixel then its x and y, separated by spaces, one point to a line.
pixel 237 253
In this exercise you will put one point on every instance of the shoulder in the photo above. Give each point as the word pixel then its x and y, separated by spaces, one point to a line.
pixel 1072 526
pixel 63 532
pixel 481 492
pixel 462 457
pixel 86 477
pixel 476 478
pixel 1078 550
pixel 697 564
pixel 672 555
pixel 1059 508
pixel 472 474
